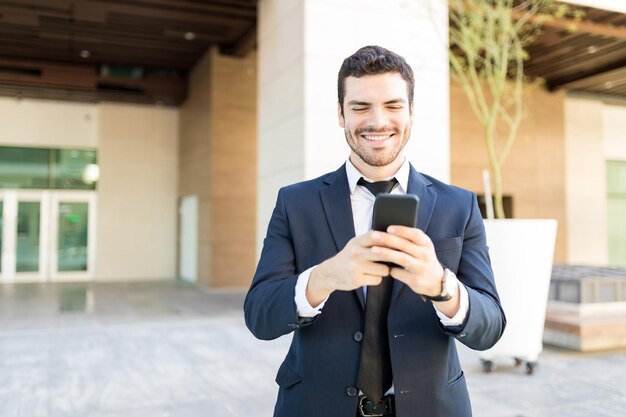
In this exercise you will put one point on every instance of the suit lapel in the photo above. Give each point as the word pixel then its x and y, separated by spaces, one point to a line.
pixel 419 186
pixel 338 210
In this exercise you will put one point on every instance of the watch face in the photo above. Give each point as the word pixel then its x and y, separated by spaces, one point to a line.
pixel 449 284
pixel 448 288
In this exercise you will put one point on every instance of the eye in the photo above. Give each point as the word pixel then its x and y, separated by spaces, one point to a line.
pixel 395 107
pixel 359 108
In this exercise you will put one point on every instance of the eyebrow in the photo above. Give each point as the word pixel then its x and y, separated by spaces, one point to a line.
pixel 365 103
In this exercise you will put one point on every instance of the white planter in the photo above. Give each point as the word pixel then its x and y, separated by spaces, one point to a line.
pixel 521 254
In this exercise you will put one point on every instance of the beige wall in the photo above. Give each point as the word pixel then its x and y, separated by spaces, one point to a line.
pixel 595 133
pixel 137 152
pixel 218 163
pixel 49 124
pixel 614 131
pixel 534 174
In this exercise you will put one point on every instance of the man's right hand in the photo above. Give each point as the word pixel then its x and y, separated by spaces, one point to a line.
pixel 353 267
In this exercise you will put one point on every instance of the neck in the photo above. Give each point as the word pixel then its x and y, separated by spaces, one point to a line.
pixel 377 173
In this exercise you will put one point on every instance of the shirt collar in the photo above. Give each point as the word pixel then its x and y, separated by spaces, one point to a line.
pixel 402 175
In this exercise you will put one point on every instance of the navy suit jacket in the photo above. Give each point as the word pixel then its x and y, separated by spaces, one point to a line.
pixel 311 222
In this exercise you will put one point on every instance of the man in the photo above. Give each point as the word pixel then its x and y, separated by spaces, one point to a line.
pixel 321 271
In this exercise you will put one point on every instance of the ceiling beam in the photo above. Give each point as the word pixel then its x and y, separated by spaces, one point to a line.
pixel 591 28
pixel 244 45
pixel 29 75
pixel 579 78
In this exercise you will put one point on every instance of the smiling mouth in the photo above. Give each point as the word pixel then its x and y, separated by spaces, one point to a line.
pixel 377 138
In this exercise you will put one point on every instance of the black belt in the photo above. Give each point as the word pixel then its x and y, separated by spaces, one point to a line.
pixel 387 407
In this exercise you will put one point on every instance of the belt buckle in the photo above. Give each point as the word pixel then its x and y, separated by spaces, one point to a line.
pixel 362 411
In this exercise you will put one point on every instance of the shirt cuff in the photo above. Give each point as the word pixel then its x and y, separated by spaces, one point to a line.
pixel 459 317
pixel 303 308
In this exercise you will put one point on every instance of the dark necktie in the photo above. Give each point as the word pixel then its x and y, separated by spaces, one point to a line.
pixel 375 376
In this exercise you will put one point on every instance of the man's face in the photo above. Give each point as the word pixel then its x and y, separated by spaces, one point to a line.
pixel 377 117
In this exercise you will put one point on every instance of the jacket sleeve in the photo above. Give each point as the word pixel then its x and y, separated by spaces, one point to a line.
pixel 269 307
pixel 485 320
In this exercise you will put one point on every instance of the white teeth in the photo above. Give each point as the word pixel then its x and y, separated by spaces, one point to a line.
pixel 376 138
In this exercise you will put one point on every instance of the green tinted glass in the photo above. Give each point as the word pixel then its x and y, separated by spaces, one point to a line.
pixel 28 215
pixel 24 168
pixel 61 169
pixel 73 227
pixel 616 205
pixel 75 169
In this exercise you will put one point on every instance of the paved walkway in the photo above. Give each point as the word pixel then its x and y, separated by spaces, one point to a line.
pixel 170 349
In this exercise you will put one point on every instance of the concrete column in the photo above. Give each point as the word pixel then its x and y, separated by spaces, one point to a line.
pixel 217 163
pixel 585 175
pixel 302 44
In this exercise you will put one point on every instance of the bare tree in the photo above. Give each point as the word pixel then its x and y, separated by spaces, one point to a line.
pixel 487 40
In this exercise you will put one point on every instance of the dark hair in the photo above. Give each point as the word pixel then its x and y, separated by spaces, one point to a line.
pixel 372 60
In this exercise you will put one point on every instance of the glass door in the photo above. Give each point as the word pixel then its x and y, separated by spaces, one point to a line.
pixel 23 224
pixel 73 221
pixel 47 235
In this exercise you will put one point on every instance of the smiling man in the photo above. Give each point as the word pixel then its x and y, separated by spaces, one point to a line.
pixel 369 339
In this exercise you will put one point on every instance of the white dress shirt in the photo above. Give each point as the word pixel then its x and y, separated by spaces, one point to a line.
pixel 362 208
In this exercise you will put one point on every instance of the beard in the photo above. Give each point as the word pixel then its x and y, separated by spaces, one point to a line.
pixel 373 157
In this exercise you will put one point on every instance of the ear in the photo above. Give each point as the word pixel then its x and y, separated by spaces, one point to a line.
pixel 411 108
pixel 342 122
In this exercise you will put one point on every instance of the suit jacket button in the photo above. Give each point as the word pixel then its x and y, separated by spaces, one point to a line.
pixel 358 336
pixel 352 392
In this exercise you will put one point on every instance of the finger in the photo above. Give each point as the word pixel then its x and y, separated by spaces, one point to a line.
pixel 367 240
pixel 367 279
pixel 403 275
pixel 398 243
pixel 413 234
pixel 400 258
pixel 376 268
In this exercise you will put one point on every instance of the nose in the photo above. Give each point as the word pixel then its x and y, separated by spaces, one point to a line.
pixel 378 118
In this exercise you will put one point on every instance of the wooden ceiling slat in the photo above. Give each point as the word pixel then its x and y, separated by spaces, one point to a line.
pixel 84 78
pixel 107 54
pixel 244 45
pixel 541 56
pixel 235 9
pixel 608 79
pixel 136 39
pixel 572 65
pixel 573 42
pixel 172 14
pixel 577 61
pixel 575 77
pixel 586 26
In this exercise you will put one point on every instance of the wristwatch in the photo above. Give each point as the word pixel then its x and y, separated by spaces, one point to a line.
pixel 449 286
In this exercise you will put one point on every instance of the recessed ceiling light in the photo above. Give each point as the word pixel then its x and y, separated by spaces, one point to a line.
pixel 190 36
pixel 592 49
pixel 85 53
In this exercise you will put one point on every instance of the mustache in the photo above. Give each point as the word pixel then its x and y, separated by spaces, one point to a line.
pixel 371 129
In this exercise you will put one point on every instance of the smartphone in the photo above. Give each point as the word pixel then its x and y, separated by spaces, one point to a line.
pixel 398 209
pixel 394 209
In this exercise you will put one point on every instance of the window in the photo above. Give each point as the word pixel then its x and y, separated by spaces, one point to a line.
pixel 57 169
pixel 616 204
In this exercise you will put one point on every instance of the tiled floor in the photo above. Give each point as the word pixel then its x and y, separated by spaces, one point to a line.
pixel 172 349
